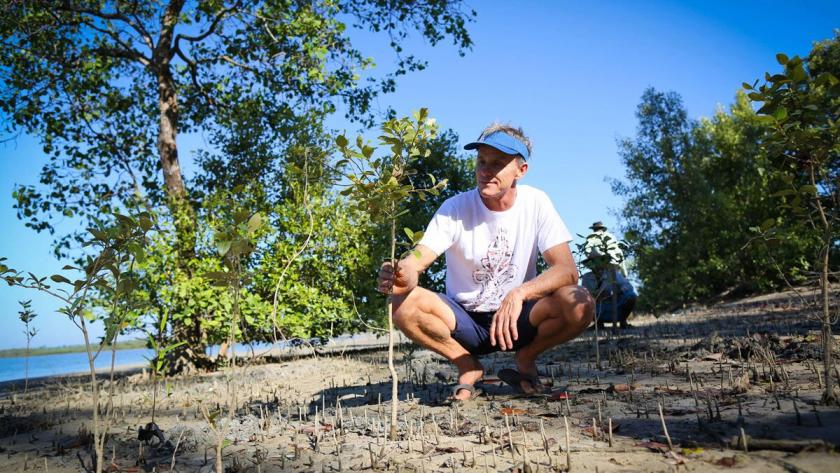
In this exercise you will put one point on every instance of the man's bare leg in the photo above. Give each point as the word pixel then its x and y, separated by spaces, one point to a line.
pixel 559 317
pixel 428 321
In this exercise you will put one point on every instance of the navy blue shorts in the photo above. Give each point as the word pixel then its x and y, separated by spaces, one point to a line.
pixel 472 329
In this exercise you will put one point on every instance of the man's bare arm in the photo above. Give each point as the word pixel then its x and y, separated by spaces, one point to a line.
pixel 562 272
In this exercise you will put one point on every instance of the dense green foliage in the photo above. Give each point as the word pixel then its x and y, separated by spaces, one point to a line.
pixel 444 161
pixel 693 190
pixel 108 87
pixel 744 201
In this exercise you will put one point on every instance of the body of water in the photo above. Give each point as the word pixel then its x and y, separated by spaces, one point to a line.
pixel 66 363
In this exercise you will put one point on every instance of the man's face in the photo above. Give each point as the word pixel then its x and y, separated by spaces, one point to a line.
pixel 495 171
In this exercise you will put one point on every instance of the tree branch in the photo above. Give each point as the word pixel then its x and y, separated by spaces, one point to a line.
pixel 230 60
pixel 164 49
pixel 216 21
pixel 193 68
pixel 132 21
pixel 122 50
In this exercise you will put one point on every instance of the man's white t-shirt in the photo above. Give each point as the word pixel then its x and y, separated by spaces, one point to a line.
pixel 490 253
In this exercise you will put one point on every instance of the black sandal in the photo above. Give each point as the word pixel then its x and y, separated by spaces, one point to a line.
pixel 514 379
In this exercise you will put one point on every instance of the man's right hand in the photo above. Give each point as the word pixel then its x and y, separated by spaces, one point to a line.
pixel 396 283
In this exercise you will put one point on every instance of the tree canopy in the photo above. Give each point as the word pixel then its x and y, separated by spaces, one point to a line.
pixel 110 88
pixel 693 190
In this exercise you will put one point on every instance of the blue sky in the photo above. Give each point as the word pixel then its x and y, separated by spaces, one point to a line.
pixel 570 73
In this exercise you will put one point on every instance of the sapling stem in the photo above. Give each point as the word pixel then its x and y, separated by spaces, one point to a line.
pixel 744 440
pixel 568 445
pixel 665 427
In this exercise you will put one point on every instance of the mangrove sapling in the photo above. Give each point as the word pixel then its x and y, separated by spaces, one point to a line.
pixel 381 186
pixel 27 316
pixel 106 273
pixel 235 241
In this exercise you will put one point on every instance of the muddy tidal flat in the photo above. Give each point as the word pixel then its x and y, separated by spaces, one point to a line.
pixel 731 387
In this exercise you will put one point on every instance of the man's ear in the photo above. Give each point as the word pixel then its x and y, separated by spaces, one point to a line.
pixel 523 168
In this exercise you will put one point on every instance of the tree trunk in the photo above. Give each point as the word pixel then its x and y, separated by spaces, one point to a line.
pixel 192 354
pixel 223 349
pixel 829 396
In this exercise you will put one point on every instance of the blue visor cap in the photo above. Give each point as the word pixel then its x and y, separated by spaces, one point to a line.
pixel 502 142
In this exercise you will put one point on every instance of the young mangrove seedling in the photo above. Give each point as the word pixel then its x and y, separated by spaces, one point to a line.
pixel 383 185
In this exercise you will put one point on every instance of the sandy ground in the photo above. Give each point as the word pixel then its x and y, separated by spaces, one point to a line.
pixel 750 365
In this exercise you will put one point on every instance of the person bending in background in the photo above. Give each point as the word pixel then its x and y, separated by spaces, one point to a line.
pixel 601 285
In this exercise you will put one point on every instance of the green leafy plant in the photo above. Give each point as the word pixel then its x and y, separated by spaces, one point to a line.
pixel 381 185
pixel 601 254
pixel 27 316
pixel 107 271
pixel 800 105
pixel 691 190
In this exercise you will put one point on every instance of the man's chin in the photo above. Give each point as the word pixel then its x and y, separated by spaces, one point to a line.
pixel 487 190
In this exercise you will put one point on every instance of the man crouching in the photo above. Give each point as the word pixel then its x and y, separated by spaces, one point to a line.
pixel 494 299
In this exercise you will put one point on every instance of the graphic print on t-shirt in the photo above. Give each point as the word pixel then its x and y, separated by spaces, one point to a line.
pixel 495 273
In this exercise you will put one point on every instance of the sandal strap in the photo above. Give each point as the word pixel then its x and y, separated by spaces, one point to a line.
pixel 467 387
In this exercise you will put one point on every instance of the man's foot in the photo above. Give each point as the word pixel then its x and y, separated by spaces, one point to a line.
pixel 527 367
pixel 470 373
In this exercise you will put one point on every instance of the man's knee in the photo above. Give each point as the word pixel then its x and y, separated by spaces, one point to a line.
pixel 401 310
pixel 574 304
pixel 405 309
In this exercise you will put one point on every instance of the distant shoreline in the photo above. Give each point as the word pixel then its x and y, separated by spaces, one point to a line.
pixel 41 351
pixel 11 386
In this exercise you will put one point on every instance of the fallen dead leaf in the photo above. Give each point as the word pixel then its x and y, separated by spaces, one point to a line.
pixel 728 462
pixel 713 357
pixel 621 388
pixel 448 449
pixel 742 382
pixel 312 429
pixel 654 446
pixel 559 396
pixel 509 411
